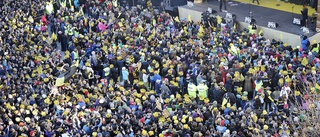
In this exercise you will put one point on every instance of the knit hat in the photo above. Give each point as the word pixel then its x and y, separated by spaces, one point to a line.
pixel 265 127
pixel 245 93
pixel 32 133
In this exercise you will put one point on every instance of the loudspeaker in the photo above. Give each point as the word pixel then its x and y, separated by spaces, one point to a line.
pixel 173 12
pixel 178 3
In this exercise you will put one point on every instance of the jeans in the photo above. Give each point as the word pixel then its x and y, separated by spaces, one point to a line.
pixel 146 85
pixel 304 22
pixel 225 4
pixel 152 86
pixel 267 106
pixel 255 0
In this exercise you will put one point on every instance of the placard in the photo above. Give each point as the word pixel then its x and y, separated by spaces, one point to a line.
pixel 247 20
pixel 229 15
pixel 296 21
pixel 272 25
pixel 190 4
pixel 210 10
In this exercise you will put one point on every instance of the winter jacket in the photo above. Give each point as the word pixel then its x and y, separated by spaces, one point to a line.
pixel 125 75
pixel 304 44
pixel 248 84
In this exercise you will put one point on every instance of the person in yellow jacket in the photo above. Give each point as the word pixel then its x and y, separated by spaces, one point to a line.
pixel 70 31
pixel 252 28
pixel 75 54
pixel 315 48
pixel 202 90
pixel 192 90
pixel 258 85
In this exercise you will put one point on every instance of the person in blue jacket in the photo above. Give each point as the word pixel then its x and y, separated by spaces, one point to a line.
pixel 76 5
pixel 305 43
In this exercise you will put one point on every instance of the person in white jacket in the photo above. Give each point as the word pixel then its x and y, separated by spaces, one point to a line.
pixel 145 78
pixel 285 91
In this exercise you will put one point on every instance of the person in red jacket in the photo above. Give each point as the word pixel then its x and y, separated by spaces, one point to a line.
pixel 44 19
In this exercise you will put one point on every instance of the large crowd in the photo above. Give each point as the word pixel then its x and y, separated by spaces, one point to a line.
pixel 100 68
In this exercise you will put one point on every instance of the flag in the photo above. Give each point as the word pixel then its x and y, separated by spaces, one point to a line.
pixel 154 22
pixel 224 102
pixel 115 3
pixel 317 88
pixel 219 19
pixel 233 49
pixel 70 3
pixel 200 32
pixel 201 29
pixel 119 15
pixel 39 70
pixel 85 21
pixel 81 11
pixel 280 35
pixel 120 24
pixel 304 61
pixel 64 3
pixel 102 27
pixel 177 19
pixel 54 36
pixel 154 32
pixel 140 28
pixel 49 8
pixel 189 18
pixel 260 32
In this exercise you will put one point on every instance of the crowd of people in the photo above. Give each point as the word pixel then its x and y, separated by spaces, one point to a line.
pixel 103 68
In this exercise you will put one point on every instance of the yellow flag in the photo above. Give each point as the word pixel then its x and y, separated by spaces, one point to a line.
pixel 233 49
pixel 200 33
pixel 255 118
pixel 81 11
pixel 219 19
pixel 201 29
pixel 317 86
pixel 59 81
pixel 154 22
pixel 70 3
pixel 304 61
pixel 189 18
pixel 177 19
pixel 280 35
pixel 64 3
pixel 120 24
pixel 260 32
pixel 39 70
pixel 140 28
pixel 224 102
pixel 115 3
pixel 154 32
pixel 54 36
